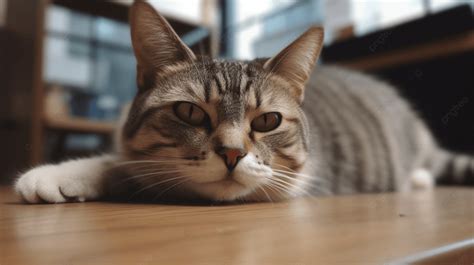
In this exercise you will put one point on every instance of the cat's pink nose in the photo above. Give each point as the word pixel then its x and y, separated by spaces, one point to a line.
pixel 231 156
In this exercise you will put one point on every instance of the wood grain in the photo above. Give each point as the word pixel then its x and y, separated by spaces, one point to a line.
pixel 359 229
pixel 81 125
pixel 439 48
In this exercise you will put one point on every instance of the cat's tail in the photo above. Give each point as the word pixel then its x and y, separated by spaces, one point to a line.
pixel 453 169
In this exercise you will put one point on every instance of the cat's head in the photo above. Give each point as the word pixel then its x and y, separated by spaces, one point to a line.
pixel 222 130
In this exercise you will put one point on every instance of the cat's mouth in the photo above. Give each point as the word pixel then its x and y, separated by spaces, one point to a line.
pixel 228 181
pixel 230 184
pixel 227 189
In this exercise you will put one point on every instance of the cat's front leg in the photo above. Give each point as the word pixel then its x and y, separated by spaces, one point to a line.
pixel 73 180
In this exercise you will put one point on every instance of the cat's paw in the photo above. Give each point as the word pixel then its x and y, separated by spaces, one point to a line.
pixel 55 184
pixel 422 179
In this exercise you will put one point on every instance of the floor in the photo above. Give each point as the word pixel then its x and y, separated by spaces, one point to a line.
pixel 363 229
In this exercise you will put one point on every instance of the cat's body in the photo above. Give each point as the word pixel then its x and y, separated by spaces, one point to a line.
pixel 371 138
pixel 220 130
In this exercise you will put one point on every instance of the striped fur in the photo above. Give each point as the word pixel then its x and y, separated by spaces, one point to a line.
pixel 368 139
pixel 351 133
pixel 232 94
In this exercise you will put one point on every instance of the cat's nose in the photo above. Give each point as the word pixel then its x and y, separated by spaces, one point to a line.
pixel 231 156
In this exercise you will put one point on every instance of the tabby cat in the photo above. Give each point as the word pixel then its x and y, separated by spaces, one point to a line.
pixel 261 130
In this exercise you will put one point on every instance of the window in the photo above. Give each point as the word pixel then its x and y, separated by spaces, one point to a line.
pixel 261 28
pixel 91 58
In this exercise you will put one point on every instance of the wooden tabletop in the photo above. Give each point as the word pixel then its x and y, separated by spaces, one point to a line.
pixel 359 229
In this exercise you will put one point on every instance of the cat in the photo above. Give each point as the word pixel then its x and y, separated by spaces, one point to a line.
pixel 260 130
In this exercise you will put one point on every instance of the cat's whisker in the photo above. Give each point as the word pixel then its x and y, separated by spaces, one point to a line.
pixel 289 180
pixel 266 194
pixel 301 177
pixel 137 165
pixel 153 154
pixel 281 184
pixel 155 174
pixel 292 172
pixel 304 180
pixel 288 168
pixel 285 167
pixel 281 189
pixel 305 184
pixel 125 154
pixel 171 187
pixel 151 163
pixel 147 161
pixel 148 167
pixel 155 184
pixel 287 190
pixel 145 168
pixel 275 190
pixel 291 185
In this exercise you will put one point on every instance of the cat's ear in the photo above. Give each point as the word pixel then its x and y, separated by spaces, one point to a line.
pixel 155 43
pixel 296 61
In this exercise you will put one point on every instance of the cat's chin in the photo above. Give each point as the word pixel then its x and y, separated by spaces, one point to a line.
pixel 222 190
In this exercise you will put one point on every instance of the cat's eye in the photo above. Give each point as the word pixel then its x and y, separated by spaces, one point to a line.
pixel 266 122
pixel 190 113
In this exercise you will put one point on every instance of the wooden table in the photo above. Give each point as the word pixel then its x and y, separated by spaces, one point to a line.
pixel 360 229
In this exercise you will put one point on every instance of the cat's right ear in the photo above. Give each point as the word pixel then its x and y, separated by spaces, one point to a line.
pixel 155 43
pixel 296 61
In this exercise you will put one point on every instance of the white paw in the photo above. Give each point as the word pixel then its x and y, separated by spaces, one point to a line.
pixel 422 179
pixel 56 184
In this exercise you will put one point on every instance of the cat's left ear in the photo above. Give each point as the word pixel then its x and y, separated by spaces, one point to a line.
pixel 296 61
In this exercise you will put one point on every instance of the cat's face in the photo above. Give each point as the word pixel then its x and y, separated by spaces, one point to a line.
pixel 217 129
pixel 228 127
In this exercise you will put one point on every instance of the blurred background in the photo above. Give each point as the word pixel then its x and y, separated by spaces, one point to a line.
pixel 67 66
